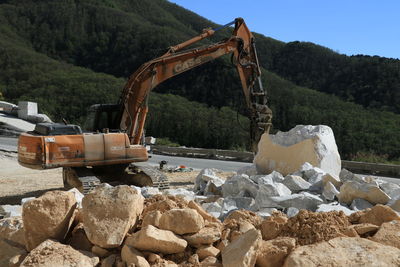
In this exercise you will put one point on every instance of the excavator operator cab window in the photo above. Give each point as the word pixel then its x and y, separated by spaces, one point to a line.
pixel 101 117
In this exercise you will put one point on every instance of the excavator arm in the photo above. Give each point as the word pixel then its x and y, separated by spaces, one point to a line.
pixel 134 97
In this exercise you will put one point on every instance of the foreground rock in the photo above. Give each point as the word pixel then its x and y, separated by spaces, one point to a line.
pixel 274 252
pixel 48 216
pixel 12 230
pixel 152 239
pixel 109 212
pixel 286 152
pixel 351 190
pixel 181 221
pixel 242 251
pixel 51 253
pixel 344 251
pixel 388 234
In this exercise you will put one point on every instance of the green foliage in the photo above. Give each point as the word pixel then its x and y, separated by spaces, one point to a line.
pixel 166 142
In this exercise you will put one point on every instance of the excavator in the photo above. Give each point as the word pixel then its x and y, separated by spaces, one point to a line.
pixel 113 140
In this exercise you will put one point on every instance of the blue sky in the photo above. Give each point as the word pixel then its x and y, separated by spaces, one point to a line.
pixel 370 27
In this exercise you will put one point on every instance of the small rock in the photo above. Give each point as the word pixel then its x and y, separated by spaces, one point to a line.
pixel 8 251
pixel 101 252
pixel 16 260
pixel 109 212
pixel 296 183
pixel 334 206
pixel 181 221
pixel 247 203
pixel 391 189
pixel 79 240
pixel 149 191
pixel 303 200
pixel 10 211
pixel 131 256
pixel 250 170
pixel 206 236
pixel 152 218
pixel 388 234
pixel 344 251
pixel 208 251
pixel 327 177
pixel 351 190
pixel 213 208
pixel 346 175
pixel 269 190
pixel 378 215
pixel 360 204
pixel 109 261
pixel 330 191
pixel 152 239
pixel 210 262
pixel 239 185
pixel 48 216
pixel 242 251
pixel 213 188
pixel 274 176
pixel 274 252
pixel 292 211
pixel 200 183
pixel 11 229
pixel 78 196
pixel 200 210
pixel 51 253
pixel 364 228
pixel 180 192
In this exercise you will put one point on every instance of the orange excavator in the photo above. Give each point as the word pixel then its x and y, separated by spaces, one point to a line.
pixel 115 138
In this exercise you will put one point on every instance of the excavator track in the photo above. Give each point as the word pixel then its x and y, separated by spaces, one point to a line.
pixel 86 179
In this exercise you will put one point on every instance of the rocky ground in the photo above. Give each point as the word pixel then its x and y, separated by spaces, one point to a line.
pixel 307 216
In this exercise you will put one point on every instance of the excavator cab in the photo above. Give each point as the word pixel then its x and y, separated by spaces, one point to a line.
pixel 101 117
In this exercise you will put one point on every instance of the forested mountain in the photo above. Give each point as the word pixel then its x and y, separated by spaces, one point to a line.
pixel 70 54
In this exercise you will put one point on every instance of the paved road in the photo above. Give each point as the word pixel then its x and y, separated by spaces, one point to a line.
pixel 10 144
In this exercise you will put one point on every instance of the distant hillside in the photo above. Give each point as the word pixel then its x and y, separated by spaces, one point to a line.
pixel 70 54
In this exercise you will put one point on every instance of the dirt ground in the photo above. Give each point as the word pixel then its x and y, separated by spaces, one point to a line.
pixel 17 182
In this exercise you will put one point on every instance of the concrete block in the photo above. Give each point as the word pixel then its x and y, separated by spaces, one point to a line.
pixel 26 109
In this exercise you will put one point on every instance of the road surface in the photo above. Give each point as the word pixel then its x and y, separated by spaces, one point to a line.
pixel 10 144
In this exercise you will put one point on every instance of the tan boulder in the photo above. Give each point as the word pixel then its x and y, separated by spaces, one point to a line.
pixel 152 218
pixel 100 252
pixel 245 215
pixel 109 261
pixel 8 251
pixel 109 212
pixel 17 259
pixel 351 190
pixel 242 251
pixel 335 180
pixel 286 152
pixel 378 215
pixel 210 262
pixel 344 251
pixel 12 229
pixel 365 228
pixel 152 239
pixel 131 256
pixel 51 253
pixel 206 236
pixel 206 216
pixel 388 234
pixel 272 225
pixel 79 240
pixel 48 216
pixel 274 252
pixel 205 252
pixel 181 221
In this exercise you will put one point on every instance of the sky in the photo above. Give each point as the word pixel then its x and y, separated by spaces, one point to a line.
pixel 351 27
